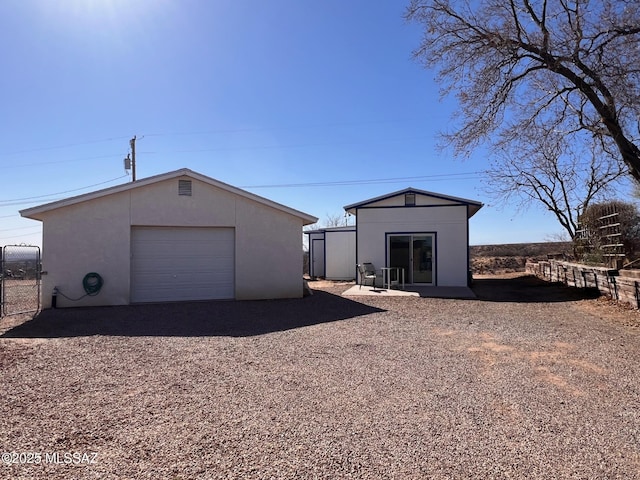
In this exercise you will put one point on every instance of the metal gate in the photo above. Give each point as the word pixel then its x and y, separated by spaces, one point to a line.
pixel 20 279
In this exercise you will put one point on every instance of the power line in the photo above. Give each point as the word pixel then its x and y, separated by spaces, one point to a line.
pixel 18 201
pixel 300 145
pixel 439 177
pixel 204 132
pixel 59 147
pixel 16 228
pixel 54 162
pixel 373 181
pixel 262 129
pixel 20 236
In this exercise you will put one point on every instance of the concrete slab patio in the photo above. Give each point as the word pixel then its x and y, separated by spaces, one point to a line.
pixel 411 291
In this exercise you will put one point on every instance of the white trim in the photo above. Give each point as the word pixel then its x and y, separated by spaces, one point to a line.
pixel 353 208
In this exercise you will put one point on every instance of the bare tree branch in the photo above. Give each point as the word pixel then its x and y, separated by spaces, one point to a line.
pixel 546 169
pixel 497 55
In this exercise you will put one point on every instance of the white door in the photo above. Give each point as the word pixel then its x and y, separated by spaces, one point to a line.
pixel 182 263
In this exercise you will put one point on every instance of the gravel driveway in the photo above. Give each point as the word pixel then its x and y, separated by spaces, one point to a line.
pixel 527 381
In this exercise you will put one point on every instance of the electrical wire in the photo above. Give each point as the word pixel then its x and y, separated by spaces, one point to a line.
pixel 59 147
pixel 203 132
pixel 22 235
pixel 19 201
pixel 15 228
pixel 56 162
pixel 262 129
pixel 300 145
pixel 438 177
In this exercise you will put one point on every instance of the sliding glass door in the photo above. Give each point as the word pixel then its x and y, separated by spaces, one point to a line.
pixel 415 254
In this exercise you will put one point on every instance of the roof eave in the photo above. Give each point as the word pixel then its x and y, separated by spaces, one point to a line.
pixel 474 205
pixel 35 212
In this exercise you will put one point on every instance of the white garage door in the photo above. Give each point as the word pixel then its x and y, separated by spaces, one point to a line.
pixel 178 264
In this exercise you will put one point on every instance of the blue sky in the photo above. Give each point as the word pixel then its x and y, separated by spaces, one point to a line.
pixel 284 92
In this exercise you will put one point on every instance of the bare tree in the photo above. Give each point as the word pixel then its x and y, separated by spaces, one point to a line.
pixel 546 168
pixel 336 220
pixel 570 65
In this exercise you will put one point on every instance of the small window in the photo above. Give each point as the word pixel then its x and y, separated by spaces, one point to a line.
pixel 184 187
pixel 409 199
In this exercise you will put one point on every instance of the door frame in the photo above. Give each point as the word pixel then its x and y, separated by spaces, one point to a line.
pixel 412 234
pixel 318 252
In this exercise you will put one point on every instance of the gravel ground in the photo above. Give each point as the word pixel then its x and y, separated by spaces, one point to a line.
pixel 528 381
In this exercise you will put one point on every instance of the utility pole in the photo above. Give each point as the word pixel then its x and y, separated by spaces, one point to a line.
pixel 132 142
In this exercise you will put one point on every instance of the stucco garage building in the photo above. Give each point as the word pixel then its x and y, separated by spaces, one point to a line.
pixel 172 237
pixel 424 233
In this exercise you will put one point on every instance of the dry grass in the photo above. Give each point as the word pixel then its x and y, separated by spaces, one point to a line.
pixel 20 295
pixel 326 387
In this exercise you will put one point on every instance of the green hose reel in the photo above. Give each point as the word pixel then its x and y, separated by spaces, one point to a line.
pixel 92 283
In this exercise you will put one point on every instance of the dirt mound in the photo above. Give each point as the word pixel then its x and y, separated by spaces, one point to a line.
pixel 512 257
pixel 493 265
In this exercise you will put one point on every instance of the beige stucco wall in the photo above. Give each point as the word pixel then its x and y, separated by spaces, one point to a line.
pixel 95 236
pixel 268 253
pixel 89 237
pixel 448 222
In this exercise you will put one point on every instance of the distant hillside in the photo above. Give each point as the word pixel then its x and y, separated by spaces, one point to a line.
pixel 511 257
pixel 521 249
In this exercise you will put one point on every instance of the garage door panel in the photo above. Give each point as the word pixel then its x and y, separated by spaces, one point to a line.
pixel 177 264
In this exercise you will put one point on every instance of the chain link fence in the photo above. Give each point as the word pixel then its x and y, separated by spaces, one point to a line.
pixel 20 279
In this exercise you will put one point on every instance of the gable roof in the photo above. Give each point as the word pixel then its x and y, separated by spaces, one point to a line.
pixel 473 205
pixel 34 212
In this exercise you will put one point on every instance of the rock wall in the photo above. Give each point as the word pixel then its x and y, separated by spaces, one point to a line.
pixel 620 285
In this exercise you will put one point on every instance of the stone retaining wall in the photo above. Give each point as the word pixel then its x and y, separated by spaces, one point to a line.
pixel 621 285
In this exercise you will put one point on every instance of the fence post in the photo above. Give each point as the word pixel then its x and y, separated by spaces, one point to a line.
pixel 1 282
pixel 611 280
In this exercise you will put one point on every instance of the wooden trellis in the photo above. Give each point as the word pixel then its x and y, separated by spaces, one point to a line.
pixel 611 237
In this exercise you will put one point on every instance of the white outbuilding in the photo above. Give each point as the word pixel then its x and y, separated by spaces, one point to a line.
pixel 332 253
pixel 423 234
pixel 179 236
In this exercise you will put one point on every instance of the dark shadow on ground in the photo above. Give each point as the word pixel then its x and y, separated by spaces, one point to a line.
pixel 528 289
pixel 195 319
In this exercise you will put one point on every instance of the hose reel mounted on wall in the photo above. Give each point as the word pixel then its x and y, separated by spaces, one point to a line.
pixel 92 284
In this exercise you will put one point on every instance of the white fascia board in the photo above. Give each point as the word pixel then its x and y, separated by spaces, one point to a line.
pixel 474 205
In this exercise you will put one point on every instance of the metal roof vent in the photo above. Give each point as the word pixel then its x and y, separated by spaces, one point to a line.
pixel 184 187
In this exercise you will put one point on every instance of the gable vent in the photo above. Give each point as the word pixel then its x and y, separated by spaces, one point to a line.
pixel 184 187
pixel 410 199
